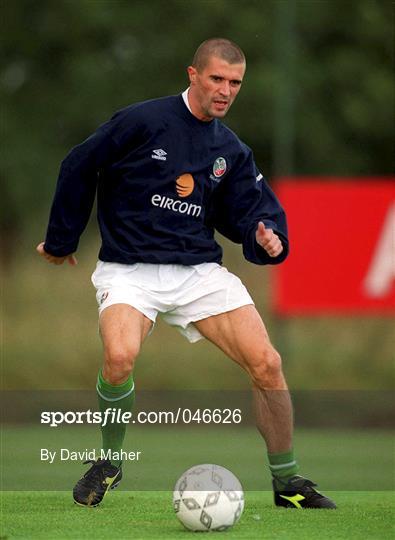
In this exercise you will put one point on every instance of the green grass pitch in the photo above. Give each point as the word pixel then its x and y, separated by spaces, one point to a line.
pixel 353 467
pixel 147 514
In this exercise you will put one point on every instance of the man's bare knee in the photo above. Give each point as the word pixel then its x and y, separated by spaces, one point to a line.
pixel 118 364
pixel 123 329
pixel 266 370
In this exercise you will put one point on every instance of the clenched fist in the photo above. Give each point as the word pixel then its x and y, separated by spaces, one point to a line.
pixel 55 260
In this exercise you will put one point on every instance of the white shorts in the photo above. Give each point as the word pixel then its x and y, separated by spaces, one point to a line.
pixel 181 294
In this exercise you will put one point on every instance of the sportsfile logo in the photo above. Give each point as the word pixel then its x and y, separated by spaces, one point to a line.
pixel 185 184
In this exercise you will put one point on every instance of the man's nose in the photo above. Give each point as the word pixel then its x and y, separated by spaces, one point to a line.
pixel 225 89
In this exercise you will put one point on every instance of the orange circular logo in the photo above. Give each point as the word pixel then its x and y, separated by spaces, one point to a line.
pixel 184 185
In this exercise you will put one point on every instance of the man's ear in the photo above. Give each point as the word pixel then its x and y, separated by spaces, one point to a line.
pixel 192 74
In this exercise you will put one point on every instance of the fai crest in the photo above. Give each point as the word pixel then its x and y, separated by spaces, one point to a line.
pixel 219 167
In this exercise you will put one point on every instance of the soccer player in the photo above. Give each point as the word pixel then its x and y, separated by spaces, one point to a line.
pixel 168 173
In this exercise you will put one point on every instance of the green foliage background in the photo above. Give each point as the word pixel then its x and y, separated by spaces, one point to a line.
pixel 317 100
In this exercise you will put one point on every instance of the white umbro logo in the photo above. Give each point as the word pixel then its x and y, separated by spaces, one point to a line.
pixel 159 154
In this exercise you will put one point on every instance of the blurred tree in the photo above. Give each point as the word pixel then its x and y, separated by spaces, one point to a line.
pixel 66 66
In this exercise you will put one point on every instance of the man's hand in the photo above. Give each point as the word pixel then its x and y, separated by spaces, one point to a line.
pixel 55 260
pixel 270 242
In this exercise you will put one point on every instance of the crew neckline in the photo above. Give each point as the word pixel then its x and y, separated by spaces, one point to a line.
pixel 185 99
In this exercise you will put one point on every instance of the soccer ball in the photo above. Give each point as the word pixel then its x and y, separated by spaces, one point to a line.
pixel 208 498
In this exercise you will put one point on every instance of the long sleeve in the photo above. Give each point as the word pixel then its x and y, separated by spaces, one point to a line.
pixel 242 201
pixel 75 192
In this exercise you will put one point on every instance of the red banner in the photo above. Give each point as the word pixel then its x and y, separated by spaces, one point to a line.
pixel 342 238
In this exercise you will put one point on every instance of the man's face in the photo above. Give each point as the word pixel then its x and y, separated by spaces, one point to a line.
pixel 214 89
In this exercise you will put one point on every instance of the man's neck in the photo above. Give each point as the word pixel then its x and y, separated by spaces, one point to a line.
pixel 185 97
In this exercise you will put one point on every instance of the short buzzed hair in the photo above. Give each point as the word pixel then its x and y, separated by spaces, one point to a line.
pixel 220 47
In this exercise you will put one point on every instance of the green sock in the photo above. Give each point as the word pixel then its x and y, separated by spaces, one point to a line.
pixel 120 396
pixel 282 466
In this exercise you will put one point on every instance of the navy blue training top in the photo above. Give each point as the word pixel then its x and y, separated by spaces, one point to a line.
pixel 165 181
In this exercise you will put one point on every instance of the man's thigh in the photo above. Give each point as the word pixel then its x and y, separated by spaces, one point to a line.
pixel 122 326
pixel 240 333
